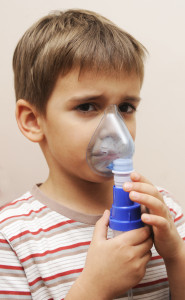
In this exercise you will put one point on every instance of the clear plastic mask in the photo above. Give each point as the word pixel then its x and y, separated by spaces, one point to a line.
pixel 110 142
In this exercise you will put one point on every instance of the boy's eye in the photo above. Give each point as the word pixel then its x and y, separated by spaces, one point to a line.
pixel 127 108
pixel 85 107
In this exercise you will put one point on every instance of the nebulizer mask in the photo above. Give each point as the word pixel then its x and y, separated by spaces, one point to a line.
pixel 110 142
pixel 109 153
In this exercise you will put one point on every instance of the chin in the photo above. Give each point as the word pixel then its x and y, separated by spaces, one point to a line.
pixel 96 178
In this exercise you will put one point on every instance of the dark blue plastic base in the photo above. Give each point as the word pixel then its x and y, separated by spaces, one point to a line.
pixel 125 214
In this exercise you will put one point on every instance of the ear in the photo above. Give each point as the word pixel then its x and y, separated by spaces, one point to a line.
pixel 29 121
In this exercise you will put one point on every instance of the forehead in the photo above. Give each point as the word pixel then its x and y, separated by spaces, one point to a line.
pixel 94 77
pixel 110 75
pixel 91 85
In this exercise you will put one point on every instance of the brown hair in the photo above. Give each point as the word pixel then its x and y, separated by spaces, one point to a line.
pixel 61 41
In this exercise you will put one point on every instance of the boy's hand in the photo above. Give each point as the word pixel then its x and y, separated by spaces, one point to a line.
pixel 114 266
pixel 167 241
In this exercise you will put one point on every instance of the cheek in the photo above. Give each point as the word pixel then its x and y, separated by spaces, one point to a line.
pixel 77 140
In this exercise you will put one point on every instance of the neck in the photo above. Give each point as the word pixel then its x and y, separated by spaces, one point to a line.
pixel 78 194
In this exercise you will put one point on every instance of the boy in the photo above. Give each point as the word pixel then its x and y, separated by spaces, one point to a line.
pixel 68 68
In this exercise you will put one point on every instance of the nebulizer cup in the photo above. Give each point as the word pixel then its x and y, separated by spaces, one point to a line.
pixel 110 153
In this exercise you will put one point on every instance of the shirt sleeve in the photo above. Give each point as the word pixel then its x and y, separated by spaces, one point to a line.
pixel 13 282
pixel 175 211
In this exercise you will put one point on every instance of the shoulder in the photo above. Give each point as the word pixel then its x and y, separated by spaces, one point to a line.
pixel 27 215
pixel 9 209
pixel 15 214
pixel 21 206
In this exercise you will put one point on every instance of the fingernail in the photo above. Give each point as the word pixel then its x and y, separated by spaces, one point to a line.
pixel 136 176
pixel 134 195
pixel 128 186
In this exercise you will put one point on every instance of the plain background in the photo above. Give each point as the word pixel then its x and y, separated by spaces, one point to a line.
pixel 160 143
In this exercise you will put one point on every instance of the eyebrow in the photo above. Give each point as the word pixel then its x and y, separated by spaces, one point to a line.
pixel 132 98
pixel 95 97
pixel 85 98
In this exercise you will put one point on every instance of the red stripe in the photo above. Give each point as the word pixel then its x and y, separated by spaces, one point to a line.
pixel 180 217
pixel 3 241
pixel 164 191
pixel 14 293
pixel 24 215
pixel 161 191
pixel 151 283
pixel 11 267
pixel 13 203
pixel 156 257
pixel 55 276
pixel 41 230
pixel 55 250
pixel 173 211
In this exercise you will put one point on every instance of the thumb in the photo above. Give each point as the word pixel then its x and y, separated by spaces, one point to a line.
pixel 100 231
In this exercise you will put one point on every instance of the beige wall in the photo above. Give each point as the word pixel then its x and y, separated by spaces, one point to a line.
pixel 160 144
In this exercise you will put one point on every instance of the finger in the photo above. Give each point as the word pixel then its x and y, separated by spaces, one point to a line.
pixel 145 247
pixel 159 222
pixel 135 237
pixel 155 205
pixel 144 188
pixel 101 228
pixel 136 177
pixel 147 257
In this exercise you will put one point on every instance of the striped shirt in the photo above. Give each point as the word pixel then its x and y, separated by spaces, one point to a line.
pixel 43 247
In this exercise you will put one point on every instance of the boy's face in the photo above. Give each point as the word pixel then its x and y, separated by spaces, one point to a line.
pixel 74 111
